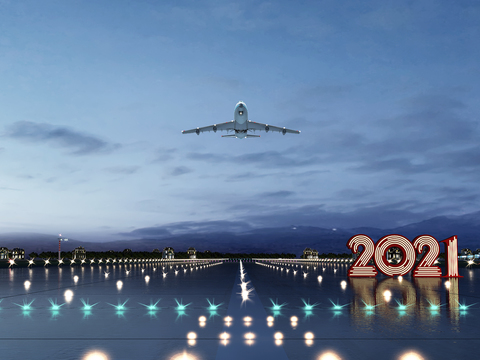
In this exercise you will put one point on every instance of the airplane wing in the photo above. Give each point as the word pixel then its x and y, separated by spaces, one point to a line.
pixel 252 125
pixel 229 125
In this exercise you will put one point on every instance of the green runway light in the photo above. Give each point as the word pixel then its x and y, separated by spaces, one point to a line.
pixel 369 307
pixel 27 306
pixel 213 306
pixel 464 307
pixel 401 306
pixel 152 307
pixel 337 306
pixel 86 305
pixel 276 306
pixel 308 306
pixel 180 305
pixel 120 307
pixel 54 304
pixel 434 307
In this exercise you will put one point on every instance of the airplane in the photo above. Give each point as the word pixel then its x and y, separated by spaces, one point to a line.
pixel 240 125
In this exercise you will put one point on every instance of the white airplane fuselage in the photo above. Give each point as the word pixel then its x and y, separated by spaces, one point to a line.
pixel 240 115
pixel 241 125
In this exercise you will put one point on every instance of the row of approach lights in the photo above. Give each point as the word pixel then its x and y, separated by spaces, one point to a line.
pixel 212 307
pixel 192 267
pixel 244 284
pixel 120 306
pixel 277 307
pixel 279 266
pixel 46 262
pixel 249 336
pixel 177 269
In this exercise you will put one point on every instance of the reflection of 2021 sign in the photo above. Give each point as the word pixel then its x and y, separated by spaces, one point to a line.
pixel 424 268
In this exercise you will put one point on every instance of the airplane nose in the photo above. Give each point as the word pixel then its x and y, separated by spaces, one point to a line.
pixel 241 105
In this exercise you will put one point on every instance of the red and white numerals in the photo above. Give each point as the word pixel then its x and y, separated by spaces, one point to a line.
pixel 425 267
pixel 360 267
pixel 378 251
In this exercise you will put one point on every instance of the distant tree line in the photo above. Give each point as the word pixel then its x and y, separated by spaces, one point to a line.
pixel 157 255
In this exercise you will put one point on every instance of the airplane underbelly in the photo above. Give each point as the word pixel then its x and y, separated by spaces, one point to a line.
pixel 240 125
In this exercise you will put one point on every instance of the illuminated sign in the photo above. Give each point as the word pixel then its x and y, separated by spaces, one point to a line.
pixel 378 251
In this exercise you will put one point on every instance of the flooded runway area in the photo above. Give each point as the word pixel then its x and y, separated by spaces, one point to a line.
pixel 214 310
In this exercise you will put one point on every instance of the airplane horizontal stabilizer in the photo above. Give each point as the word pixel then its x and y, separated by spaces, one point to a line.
pixel 252 136
pixel 229 136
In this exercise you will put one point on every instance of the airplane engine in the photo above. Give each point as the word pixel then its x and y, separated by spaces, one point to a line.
pixel 284 131
pixel 215 128
pixel 197 131
pixel 267 128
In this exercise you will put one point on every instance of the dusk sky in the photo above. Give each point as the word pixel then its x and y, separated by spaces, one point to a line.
pixel 94 96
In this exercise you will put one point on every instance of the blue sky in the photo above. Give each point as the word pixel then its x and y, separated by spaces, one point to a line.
pixel 94 95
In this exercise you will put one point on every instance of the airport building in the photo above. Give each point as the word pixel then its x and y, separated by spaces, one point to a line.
pixel 79 253
pixel 4 253
pixel 307 253
pixel 192 253
pixel 15 253
pixel 168 253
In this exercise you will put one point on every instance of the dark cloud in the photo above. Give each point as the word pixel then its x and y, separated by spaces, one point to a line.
pixel 371 215
pixel 26 176
pixel 401 165
pixel 163 155
pixel 266 159
pixel 207 226
pixel 188 227
pixel 277 194
pixel 246 176
pixel 80 143
pixel 433 134
pixel 353 194
pixel 125 170
pixel 180 170
pixel 8 188
pixel 148 232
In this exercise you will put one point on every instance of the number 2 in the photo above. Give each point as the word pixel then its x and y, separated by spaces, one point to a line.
pixel 360 267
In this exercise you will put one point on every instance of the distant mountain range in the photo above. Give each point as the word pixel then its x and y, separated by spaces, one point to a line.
pixel 288 239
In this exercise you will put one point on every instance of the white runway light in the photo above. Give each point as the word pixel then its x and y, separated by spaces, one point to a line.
pixel 68 296
pixel 96 355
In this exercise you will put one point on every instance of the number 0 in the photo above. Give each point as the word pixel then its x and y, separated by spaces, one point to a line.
pixel 387 242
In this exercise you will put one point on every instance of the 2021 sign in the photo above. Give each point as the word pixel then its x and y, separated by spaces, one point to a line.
pixel 425 267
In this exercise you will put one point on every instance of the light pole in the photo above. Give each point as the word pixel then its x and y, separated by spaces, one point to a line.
pixel 60 239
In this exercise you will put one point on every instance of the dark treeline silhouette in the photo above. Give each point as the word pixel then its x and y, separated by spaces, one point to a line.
pixel 158 255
